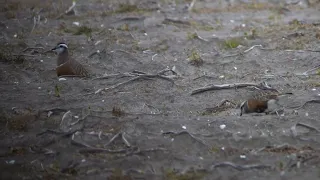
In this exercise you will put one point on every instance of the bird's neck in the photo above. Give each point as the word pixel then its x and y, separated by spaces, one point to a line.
pixel 63 57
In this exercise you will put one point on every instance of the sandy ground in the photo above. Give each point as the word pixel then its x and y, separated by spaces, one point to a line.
pixel 153 127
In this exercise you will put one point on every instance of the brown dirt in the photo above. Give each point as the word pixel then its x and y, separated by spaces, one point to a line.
pixel 164 132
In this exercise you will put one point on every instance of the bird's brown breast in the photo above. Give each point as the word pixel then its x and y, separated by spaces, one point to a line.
pixel 71 67
pixel 258 106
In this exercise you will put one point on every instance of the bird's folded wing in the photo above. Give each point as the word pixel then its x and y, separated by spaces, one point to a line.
pixel 77 68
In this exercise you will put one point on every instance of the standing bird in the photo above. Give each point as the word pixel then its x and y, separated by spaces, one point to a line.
pixel 262 100
pixel 66 65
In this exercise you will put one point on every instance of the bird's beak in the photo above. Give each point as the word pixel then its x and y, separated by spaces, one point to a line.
pixel 53 49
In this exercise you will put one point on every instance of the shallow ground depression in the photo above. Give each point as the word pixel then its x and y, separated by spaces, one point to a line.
pixel 162 100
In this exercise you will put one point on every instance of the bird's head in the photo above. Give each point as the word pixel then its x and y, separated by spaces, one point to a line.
pixel 60 48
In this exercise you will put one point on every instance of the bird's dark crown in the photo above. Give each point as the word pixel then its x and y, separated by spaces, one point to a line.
pixel 60 48
pixel 61 45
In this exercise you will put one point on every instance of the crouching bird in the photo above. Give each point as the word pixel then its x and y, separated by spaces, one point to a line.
pixel 262 101
pixel 66 65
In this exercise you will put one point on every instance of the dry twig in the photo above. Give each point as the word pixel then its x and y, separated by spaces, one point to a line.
pixel 268 49
pixel 34 23
pixel 192 5
pixel 28 48
pixel 69 10
pixel 241 167
pixel 310 101
pixel 241 53
pixel 126 142
pixel 170 133
pixel 293 129
pixel 310 70
pixel 140 75
pixel 228 86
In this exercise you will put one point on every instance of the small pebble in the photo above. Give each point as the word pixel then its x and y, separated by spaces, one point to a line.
pixel 242 156
pixel 76 23
pixel 184 127
pixel 62 79
pixel 50 113
pixel 222 126
pixel 11 162
pixel 39 87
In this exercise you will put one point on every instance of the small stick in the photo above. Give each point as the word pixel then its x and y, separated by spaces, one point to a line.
pixel 113 138
pixel 140 75
pixel 125 140
pixel 101 150
pixel 69 9
pixel 191 5
pixel 223 86
pixel 153 56
pixel 184 132
pixel 117 85
pixel 245 51
pixel 80 119
pixel 77 143
pixel 94 53
pixel 307 126
pixel 310 101
pixel 64 116
pixel 204 76
pixel 306 72
pixel 241 167
pixel 120 50
pixel 201 38
pixel 261 47
pixel 28 48
pixel 252 47
pixel 34 23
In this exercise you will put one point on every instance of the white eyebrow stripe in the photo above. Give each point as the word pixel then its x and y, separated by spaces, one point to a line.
pixel 64 45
